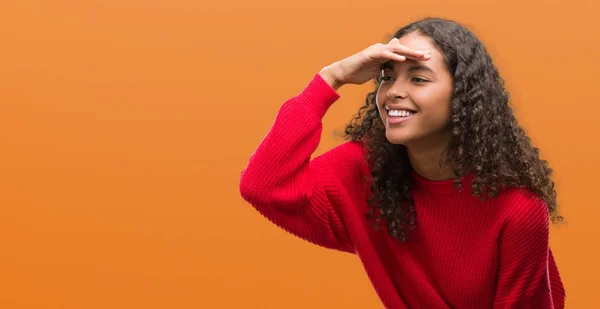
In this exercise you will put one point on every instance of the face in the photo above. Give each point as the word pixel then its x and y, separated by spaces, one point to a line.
pixel 414 97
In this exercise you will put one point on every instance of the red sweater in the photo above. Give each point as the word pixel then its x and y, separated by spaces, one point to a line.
pixel 463 254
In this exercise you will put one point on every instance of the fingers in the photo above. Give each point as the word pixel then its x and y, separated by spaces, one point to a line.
pixel 390 55
pixel 395 47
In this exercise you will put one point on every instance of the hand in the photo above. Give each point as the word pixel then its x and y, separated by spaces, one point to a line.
pixel 366 64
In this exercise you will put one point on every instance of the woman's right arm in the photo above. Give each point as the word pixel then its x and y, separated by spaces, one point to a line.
pixel 284 184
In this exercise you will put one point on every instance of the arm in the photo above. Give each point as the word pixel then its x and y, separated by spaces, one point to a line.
pixel 524 272
pixel 285 185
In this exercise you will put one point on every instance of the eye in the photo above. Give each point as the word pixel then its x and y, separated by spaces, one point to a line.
pixel 386 78
pixel 419 80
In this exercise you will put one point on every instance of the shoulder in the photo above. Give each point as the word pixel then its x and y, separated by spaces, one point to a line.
pixel 353 150
pixel 521 207
pixel 347 160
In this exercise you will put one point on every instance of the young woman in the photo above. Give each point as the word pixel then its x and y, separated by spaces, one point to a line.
pixel 438 190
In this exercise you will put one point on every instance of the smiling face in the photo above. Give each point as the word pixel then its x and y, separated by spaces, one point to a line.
pixel 414 97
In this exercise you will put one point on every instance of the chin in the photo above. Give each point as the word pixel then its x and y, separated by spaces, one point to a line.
pixel 397 138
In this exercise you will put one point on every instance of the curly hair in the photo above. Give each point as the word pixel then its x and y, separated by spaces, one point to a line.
pixel 486 142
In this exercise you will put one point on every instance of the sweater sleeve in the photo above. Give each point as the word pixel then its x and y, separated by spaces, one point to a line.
pixel 285 185
pixel 524 279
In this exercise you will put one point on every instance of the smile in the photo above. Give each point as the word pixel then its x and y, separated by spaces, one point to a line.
pixel 398 114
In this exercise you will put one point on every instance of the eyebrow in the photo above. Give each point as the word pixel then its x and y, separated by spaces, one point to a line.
pixel 417 67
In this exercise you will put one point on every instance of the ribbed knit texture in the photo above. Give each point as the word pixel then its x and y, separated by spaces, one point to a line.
pixel 463 254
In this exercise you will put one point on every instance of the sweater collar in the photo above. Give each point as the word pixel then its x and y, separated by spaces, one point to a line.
pixel 443 187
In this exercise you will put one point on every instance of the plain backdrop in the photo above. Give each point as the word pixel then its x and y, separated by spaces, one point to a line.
pixel 124 126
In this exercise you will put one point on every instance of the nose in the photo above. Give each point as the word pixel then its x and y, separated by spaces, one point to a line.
pixel 397 92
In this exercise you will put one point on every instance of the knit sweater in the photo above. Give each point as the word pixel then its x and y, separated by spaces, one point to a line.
pixel 464 253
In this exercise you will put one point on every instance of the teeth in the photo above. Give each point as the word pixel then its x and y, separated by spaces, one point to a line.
pixel 400 113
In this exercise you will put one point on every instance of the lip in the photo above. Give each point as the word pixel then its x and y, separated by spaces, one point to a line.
pixel 398 120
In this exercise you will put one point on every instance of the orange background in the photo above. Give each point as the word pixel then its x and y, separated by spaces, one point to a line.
pixel 124 126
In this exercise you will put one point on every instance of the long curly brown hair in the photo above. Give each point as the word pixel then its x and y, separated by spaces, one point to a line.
pixel 487 141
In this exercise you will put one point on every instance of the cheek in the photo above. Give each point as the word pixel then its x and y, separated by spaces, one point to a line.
pixel 434 102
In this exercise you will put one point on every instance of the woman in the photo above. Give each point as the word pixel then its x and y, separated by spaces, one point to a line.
pixel 438 190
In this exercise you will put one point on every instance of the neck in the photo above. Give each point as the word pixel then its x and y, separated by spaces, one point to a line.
pixel 425 159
